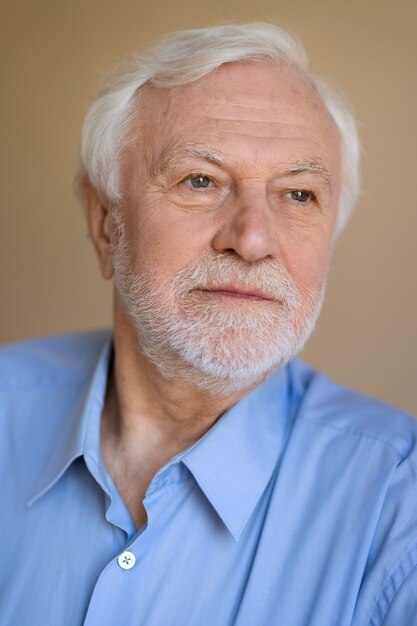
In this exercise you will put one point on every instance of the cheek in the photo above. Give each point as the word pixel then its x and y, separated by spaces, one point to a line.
pixel 308 265
pixel 166 241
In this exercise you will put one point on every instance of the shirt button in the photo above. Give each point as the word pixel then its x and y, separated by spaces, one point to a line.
pixel 126 560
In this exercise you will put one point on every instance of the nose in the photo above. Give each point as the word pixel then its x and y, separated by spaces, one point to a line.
pixel 249 231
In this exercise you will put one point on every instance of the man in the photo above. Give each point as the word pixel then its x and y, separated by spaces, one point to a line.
pixel 183 470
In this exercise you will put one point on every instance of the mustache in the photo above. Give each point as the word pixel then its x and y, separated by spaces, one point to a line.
pixel 265 276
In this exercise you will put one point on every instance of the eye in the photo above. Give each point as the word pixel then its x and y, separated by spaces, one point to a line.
pixel 302 196
pixel 198 181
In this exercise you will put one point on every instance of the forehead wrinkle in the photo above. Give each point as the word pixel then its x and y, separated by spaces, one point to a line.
pixel 296 106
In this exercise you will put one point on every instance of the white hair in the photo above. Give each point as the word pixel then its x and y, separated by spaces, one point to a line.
pixel 184 57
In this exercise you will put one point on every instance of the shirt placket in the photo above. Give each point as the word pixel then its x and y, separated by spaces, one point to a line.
pixel 119 585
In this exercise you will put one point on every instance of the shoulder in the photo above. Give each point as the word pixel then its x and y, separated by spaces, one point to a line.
pixel 334 406
pixel 44 386
pixel 58 359
pixel 375 446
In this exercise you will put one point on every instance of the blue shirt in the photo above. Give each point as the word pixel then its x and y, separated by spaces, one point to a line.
pixel 297 508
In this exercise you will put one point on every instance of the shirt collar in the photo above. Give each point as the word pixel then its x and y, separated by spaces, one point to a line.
pixel 236 458
pixel 80 427
pixel 232 462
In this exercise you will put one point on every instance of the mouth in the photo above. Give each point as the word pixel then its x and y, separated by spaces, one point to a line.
pixel 239 293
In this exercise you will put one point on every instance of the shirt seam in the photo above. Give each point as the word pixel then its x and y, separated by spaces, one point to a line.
pixel 390 581
pixel 362 434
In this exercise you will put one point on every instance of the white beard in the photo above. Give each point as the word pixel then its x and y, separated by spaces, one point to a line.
pixel 215 343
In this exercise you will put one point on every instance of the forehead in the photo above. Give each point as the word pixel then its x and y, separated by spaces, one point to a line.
pixel 249 106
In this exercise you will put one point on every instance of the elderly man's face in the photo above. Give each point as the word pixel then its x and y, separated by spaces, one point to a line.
pixel 230 189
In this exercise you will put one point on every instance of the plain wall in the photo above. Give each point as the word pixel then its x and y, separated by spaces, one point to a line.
pixel 53 54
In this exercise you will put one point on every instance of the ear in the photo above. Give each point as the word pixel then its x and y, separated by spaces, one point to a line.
pixel 96 206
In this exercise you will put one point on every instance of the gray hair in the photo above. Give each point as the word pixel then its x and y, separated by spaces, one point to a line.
pixel 184 57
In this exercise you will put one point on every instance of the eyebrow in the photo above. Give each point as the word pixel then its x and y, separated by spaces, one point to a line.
pixel 309 165
pixel 170 157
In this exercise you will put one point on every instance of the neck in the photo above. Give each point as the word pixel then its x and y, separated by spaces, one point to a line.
pixel 146 412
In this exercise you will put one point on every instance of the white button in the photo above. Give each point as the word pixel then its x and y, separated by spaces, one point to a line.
pixel 126 560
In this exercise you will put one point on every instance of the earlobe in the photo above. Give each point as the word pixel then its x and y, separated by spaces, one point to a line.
pixel 96 206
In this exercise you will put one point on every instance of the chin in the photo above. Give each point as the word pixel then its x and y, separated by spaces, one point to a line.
pixel 223 362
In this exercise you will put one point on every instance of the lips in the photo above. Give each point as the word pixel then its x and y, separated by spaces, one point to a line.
pixel 238 292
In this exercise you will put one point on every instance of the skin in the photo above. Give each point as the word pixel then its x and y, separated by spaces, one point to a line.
pixel 262 121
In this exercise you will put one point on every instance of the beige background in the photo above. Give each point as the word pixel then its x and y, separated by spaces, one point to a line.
pixel 52 55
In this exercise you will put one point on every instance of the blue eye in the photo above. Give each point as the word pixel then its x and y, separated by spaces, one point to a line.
pixel 200 181
pixel 302 196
